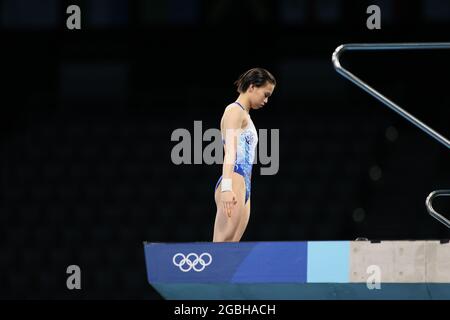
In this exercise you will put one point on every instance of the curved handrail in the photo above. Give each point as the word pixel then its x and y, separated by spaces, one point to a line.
pixel 431 211
pixel 388 46
pixel 350 76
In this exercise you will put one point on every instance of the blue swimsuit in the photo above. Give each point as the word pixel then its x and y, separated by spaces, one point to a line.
pixel 245 154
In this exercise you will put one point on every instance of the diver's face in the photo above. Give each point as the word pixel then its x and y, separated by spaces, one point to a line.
pixel 259 96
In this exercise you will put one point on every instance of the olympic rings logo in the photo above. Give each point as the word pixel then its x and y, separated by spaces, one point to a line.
pixel 192 261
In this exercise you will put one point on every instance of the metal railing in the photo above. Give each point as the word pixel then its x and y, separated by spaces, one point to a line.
pixel 429 205
pixel 396 46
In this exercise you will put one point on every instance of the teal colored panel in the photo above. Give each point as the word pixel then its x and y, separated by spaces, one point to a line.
pixel 328 262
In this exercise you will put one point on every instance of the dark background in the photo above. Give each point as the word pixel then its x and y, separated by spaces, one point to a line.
pixel 87 116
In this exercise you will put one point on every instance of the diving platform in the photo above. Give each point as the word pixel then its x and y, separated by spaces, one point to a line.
pixel 301 270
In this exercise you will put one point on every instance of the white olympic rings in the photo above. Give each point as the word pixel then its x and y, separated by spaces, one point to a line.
pixel 191 261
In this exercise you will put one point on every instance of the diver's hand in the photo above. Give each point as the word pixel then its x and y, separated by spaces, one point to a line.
pixel 228 199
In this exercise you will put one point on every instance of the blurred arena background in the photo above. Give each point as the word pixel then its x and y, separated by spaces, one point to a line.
pixel 87 117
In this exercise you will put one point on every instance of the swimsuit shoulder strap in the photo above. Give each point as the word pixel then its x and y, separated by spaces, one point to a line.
pixel 240 105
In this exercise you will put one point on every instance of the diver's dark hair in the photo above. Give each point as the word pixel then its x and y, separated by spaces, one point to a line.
pixel 256 76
